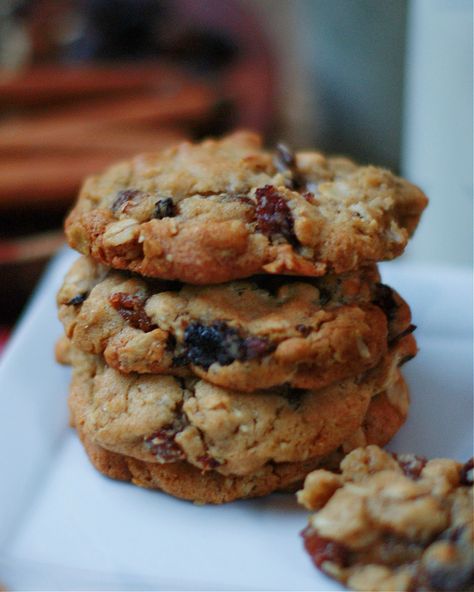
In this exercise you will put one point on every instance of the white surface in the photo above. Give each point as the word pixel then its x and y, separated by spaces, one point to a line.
pixel 63 526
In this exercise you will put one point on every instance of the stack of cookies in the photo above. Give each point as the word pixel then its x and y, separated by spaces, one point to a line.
pixel 226 325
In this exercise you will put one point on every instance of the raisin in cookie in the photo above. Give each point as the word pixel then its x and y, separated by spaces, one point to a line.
pixel 186 481
pixel 393 522
pixel 244 335
pixel 227 209
pixel 167 419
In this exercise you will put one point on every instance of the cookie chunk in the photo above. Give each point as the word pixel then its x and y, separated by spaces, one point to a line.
pixel 166 419
pixel 244 335
pixel 62 350
pixel 227 209
pixel 393 522
pixel 184 480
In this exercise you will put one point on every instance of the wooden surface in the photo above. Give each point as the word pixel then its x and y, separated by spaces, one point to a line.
pixel 59 125
pixel 51 83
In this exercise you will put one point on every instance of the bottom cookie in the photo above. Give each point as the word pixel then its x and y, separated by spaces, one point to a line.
pixel 185 481
pixel 385 416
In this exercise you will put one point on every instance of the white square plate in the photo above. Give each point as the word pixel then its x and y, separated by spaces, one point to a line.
pixel 63 526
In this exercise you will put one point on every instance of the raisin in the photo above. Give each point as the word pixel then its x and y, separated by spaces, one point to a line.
pixel 411 464
pixel 284 158
pixel 245 199
pixel 273 215
pixel 303 329
pixel 220 343
pixel 164 208
pixel 256 347
pixel 131 309
pixel 404 333
pixel 285 161
pixel 385 300
pixel 208 462
pixel 467 473
pixel 212 343
pixel 162 444
pixel 78 299
pixel 124 197
pixel 322 549
pixel 309 197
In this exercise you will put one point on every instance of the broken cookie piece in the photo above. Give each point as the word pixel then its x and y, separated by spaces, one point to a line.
pixel 398 523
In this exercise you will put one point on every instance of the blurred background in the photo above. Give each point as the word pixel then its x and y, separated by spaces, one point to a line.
pixel 84 83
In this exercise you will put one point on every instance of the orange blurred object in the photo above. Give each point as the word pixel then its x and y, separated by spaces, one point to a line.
pixel 51 83
pixel 190 69
pixel 60 124
pixel 46 149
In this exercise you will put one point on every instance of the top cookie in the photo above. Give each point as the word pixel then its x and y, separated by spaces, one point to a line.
pixel 227 209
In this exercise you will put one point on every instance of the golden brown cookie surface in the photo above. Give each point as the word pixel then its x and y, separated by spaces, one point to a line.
pixel 227 209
